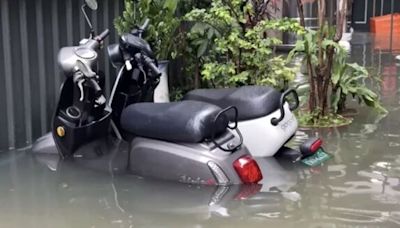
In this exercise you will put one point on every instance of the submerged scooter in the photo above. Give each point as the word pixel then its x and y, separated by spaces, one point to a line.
pixel 188 141
pixel 148 202
pixel 263 115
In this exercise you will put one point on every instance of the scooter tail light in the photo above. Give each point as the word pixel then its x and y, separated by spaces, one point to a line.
pixel 316 145
pixel 248 170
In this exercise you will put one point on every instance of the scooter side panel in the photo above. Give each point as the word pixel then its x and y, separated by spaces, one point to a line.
pixel 262 138
pixel 186 163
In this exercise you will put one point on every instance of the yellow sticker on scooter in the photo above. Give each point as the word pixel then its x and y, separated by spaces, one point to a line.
pixel 60 131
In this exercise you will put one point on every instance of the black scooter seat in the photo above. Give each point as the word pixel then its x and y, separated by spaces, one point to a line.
pixel 251 101
pixel 185 121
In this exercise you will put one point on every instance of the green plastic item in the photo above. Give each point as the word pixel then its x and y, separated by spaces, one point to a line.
pixel 316 159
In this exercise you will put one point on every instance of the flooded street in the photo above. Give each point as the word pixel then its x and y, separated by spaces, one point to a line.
pixel 359 187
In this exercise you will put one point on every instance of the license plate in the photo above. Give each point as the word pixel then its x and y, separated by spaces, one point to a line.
pixel 316 159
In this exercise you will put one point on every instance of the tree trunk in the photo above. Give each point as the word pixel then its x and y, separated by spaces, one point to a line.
pixel 312 101
pixel 321 24
pixel 320 74
pixel 340 19
pixel 197 74
pixel 328 72
pixel 312 97
pixel 300 9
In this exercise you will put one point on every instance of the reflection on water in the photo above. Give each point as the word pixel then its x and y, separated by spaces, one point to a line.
pixel 359 187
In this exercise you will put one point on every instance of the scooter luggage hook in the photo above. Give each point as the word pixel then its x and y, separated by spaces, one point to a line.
pixel 234 127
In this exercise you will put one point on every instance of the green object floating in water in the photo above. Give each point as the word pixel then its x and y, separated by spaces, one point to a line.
pixel 316 159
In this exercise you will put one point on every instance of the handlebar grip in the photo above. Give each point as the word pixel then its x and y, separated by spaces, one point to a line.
pixel 150 63
pixel 103 35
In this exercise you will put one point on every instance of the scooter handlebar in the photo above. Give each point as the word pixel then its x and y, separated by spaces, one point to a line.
pixel 102 35
pixel 95 86
pixel 150 63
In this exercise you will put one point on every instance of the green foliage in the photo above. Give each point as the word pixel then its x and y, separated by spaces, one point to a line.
pixel 176 94
pixel 233 50
pixel 349 79
pixel 161 33
pixel 309 120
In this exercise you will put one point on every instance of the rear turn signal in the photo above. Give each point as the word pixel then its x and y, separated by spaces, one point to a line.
pixel 248 170
pixel 316 145
pixel 310 146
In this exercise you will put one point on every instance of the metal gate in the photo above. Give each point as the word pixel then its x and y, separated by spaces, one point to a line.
pixel 32 32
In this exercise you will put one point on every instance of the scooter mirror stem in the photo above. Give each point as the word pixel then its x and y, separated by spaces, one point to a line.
pixel 92 34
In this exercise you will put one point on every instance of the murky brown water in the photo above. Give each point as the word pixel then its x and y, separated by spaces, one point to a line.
pixel 359 187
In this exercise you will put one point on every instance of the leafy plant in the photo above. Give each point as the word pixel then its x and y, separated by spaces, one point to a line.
pixel 233 46
pixel 307 119
pixel 348 79
pixel 319 48
pixel 162 31
pixel 330 77
pixel 176 94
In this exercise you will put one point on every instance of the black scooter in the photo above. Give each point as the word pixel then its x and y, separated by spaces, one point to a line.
pixel 187 141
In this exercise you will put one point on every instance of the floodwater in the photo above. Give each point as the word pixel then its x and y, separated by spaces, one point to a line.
pixel 358 187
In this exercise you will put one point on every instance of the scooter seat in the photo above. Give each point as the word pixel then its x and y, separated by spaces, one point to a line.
pixel 251 101
pixel 185 121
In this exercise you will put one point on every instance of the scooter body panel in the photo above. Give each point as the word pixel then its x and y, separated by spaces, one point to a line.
pixel 262 138
pixel 186 163
pixel 156 159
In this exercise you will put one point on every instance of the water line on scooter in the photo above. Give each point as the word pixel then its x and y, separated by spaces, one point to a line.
pixel 110 169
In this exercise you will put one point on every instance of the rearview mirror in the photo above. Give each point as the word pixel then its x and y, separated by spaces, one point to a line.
pixel 92 4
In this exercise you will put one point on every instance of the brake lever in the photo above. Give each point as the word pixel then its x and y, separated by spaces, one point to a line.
pixel 80 86
pixel 138 59
pixel 140 66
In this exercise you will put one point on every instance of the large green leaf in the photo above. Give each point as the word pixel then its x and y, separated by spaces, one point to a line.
pixel 336 99
pixel 202 49
pixel 171 5
pixel 327 42
pixel 199 28
pixel 358 68
pixel 338 74
pixel 298 48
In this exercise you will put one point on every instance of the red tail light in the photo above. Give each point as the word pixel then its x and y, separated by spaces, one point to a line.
pixel 316 145
pixel 248 170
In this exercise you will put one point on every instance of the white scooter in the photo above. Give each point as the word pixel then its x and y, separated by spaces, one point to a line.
pixel 265 116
